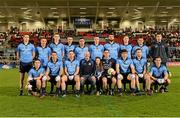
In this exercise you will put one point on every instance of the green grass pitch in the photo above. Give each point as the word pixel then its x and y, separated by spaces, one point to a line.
pixel 11 104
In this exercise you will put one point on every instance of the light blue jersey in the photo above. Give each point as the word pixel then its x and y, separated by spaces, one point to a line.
pixel 43 55
pixel 96 51
pixel 25 52
pixel 124 65
pixel 68 48
pixel 71 66
pixel 33 73
pixel 59 49
pixel 158 72
pixel 113 49
pixel 54 68
pixel 128 48
pixel 140 65
pixel 80 52
pixel 144 49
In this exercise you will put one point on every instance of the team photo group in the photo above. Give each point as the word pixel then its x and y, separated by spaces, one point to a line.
pixel 110 69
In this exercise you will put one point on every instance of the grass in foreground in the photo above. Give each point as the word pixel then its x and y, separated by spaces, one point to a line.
pixel 11 104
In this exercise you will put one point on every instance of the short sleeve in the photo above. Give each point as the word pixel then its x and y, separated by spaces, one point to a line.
pixel 165 70
pixel 151 70
pixel 62 48
pixel 33 48
pixel 18 49
pixel 78 63
pixel 30 73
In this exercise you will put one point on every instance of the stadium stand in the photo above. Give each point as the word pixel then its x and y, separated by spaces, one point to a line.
pixel 10 40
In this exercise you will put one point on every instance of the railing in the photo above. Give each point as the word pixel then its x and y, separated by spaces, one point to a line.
pixel 8 59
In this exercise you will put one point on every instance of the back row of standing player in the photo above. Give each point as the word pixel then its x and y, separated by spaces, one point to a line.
pixel 43 51
pixel 26 52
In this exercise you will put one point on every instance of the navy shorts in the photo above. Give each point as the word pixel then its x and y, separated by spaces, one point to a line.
pixel 70 82
pixel 125 80
pixel 25 67
pixel 52 80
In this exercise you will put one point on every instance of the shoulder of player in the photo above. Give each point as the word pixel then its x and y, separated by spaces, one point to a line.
pixel 118 60
pixel 49 63
pixel 38 48
pixel 163 67
pixel 66 61
pixel 81 61
pixel 20 45
pixel 31 45
pixel 48 48
pixel 153 67
pixel 77 48
pixel 135 46
pixel 42 69
pixel 31 70
pixel 113 60
pixel 107 45
pixel 51 44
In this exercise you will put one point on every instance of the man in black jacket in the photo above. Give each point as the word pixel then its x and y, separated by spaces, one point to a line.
pixel 87 69
pixel 159 49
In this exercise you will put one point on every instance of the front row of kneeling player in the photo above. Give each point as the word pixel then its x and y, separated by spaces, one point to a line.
pixel 102 74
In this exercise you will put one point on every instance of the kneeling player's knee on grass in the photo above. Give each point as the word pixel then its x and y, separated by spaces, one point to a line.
pixel 119 77
pixel 64 78
pixel 58 84
pixel 77 79
pixel 58 78
pixel 131 77
pixel 38 84
pixel 119 83
pixel 147 80
pixel 43 83
pixel 62 81
pixel 168 81
pixel 104 80
pixel 63 85
pixel 137 79
pixel 133 83
pixel 114 80
pixel 146 77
